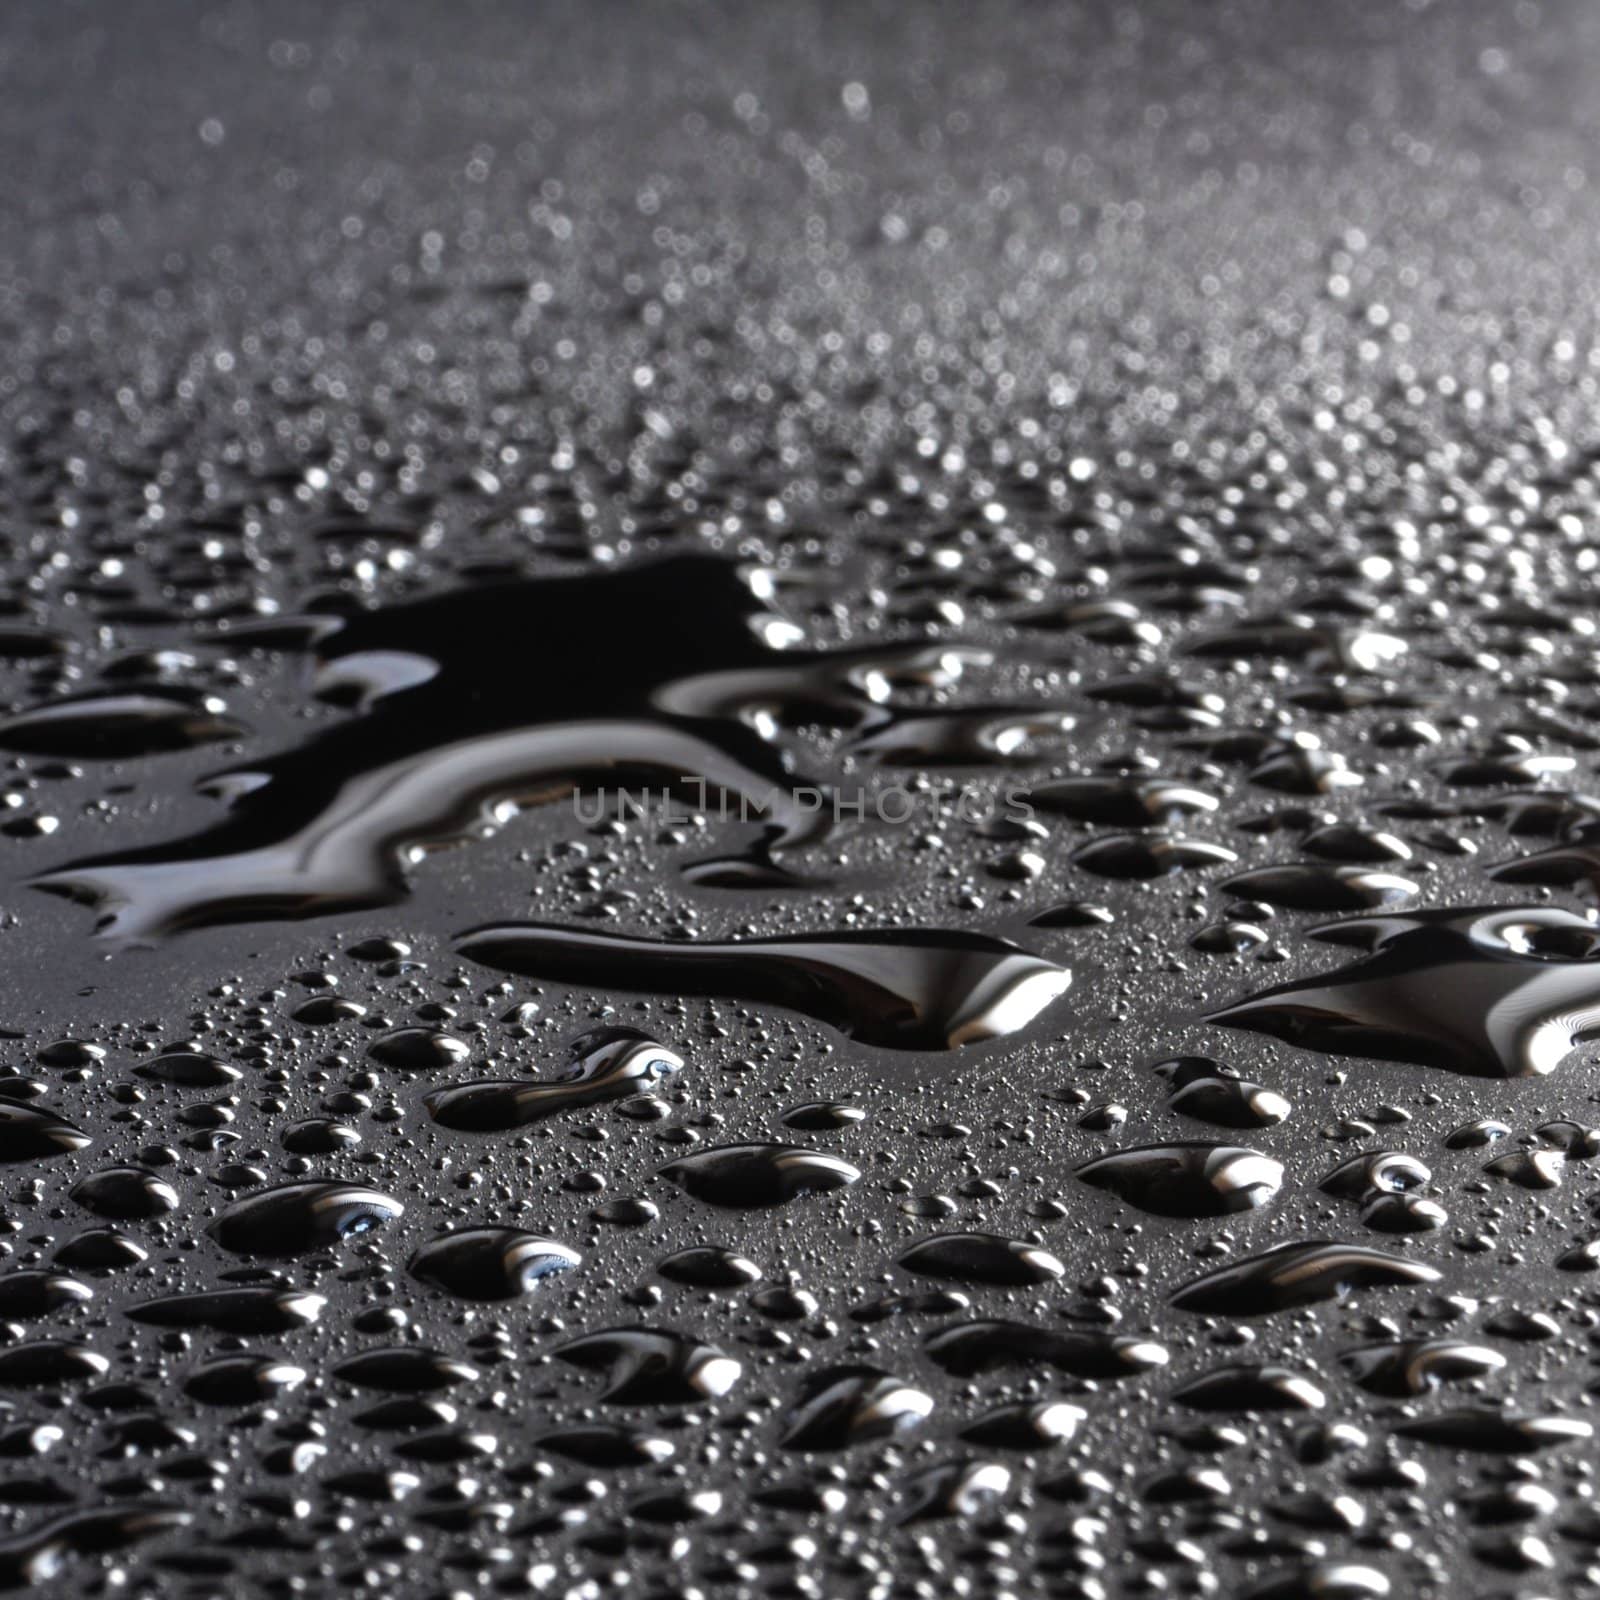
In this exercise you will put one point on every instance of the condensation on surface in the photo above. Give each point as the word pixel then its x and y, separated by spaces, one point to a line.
pixel 799 802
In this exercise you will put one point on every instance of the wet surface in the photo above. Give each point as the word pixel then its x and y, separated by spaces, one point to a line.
pixel 799 803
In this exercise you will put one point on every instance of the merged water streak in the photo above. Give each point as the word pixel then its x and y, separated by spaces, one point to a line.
pixel 473 704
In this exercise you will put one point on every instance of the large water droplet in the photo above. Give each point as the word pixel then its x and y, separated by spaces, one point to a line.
pixel 1187 1180
pixel 1496 992
pixel 490 1263
pixel 746 1177
pixel 914 989
pixel 298 1217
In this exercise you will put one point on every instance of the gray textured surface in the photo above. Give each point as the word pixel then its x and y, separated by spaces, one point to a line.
pixel 952 314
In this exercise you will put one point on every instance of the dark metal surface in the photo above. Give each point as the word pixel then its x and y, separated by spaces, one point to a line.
pixel 1170 428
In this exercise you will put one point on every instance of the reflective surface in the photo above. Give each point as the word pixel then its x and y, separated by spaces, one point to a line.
pixel 799 802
